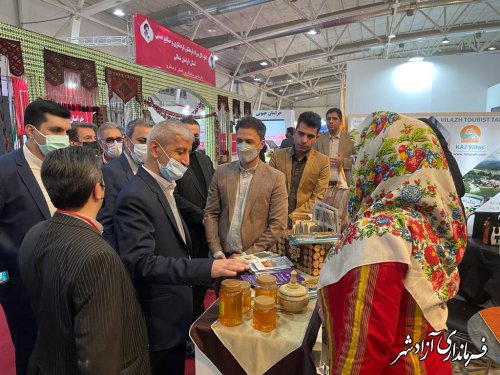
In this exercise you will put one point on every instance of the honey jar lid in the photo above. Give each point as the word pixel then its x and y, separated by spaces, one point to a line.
pixel 266 280
pixel 245 285
pixel 230 285
pixel 264 302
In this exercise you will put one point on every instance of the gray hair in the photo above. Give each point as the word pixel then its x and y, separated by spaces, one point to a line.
pixel 106 126
pixel 165 131
pixel 140 121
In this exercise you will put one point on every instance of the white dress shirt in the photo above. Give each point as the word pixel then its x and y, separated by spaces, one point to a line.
pixel 35 165
pixel 233 241
pixel 334 149
pixel 168 189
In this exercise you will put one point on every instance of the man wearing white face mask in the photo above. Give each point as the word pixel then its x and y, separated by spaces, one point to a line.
pixel 155 246
pixel 247 205
pixel 120 170
pixel 110 138
pixel 25 202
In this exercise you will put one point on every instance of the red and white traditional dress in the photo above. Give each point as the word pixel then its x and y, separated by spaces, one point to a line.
pixel 384 287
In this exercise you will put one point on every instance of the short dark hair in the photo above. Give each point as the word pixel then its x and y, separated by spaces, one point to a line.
pixel 190 121
pixel 335 110
pixel 35 112
pixel 138 122
pixel 69 175
pixel 73 132
pixel 290 130
pixel 310 119
pixel 250 122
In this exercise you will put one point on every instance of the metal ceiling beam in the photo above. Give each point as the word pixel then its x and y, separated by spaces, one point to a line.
pixel 101 7
pixel 343 49
pixel 234 33
pixel 93 19
pixel 343 17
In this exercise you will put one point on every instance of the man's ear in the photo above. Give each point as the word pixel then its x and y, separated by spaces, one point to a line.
pixel 98 191
pixel 29 130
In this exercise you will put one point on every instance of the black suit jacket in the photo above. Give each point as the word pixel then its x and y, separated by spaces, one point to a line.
pixel 83 300
pixel 116 174
pixel 22 205
pixel 287 142
pixel 191 199
pixel 158 260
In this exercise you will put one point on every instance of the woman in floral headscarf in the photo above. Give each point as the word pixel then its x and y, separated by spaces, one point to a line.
pixel 385 285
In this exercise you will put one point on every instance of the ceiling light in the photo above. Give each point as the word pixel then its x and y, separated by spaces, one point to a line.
pixel 289 80
pixel 264 63
pixel 491 48
pixel 211 30
pixel 392 36
pixel 415 59
pixel 216 58
pixel 316 97
pixel 445 40
pixel 256 79
pixel 313 32
pixel 281 90
pixel 119 13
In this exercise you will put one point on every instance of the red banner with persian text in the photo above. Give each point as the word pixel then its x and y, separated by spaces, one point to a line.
pixel 161 48
pixel 79 116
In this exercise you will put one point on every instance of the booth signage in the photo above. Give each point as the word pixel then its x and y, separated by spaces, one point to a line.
pixel 79 116
pixel 161 48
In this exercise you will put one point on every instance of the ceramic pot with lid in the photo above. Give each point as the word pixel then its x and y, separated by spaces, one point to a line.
pixel 293 297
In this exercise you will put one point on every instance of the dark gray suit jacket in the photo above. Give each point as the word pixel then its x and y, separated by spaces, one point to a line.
pixel 116 174
pixel 89 321
pixel 158 260
pixel 191 199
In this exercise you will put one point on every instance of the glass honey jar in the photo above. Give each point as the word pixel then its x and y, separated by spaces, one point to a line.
pixel 246 296
pixel 230 311
pixel 264 313
pixel 266 286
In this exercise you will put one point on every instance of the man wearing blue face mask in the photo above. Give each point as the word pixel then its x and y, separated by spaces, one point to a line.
pixel 120 170
pixel 25 202
pixel 247 205
pixel 155 246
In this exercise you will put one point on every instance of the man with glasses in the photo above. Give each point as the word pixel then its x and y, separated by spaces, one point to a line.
pixel 110 138
pixel 24 202
pixel 337 145
pixel 306 170
pixel 120 170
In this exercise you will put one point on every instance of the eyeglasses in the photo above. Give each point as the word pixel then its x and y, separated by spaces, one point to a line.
pixel 112 140
pixel 102 185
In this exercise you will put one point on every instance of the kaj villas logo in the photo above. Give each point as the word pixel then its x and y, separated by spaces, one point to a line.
pixel 470 134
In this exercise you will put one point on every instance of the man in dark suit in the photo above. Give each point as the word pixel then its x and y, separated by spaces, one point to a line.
pixel 155 245
pixel 191 197
pixel 119 171
pixel 23 203
pixel 288 141
pixel 89 320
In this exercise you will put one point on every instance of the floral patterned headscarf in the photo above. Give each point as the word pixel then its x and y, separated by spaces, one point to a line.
pixel 404 208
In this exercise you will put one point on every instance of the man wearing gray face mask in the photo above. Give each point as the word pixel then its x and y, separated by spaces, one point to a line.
pixel 120 170
pixel 247 203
